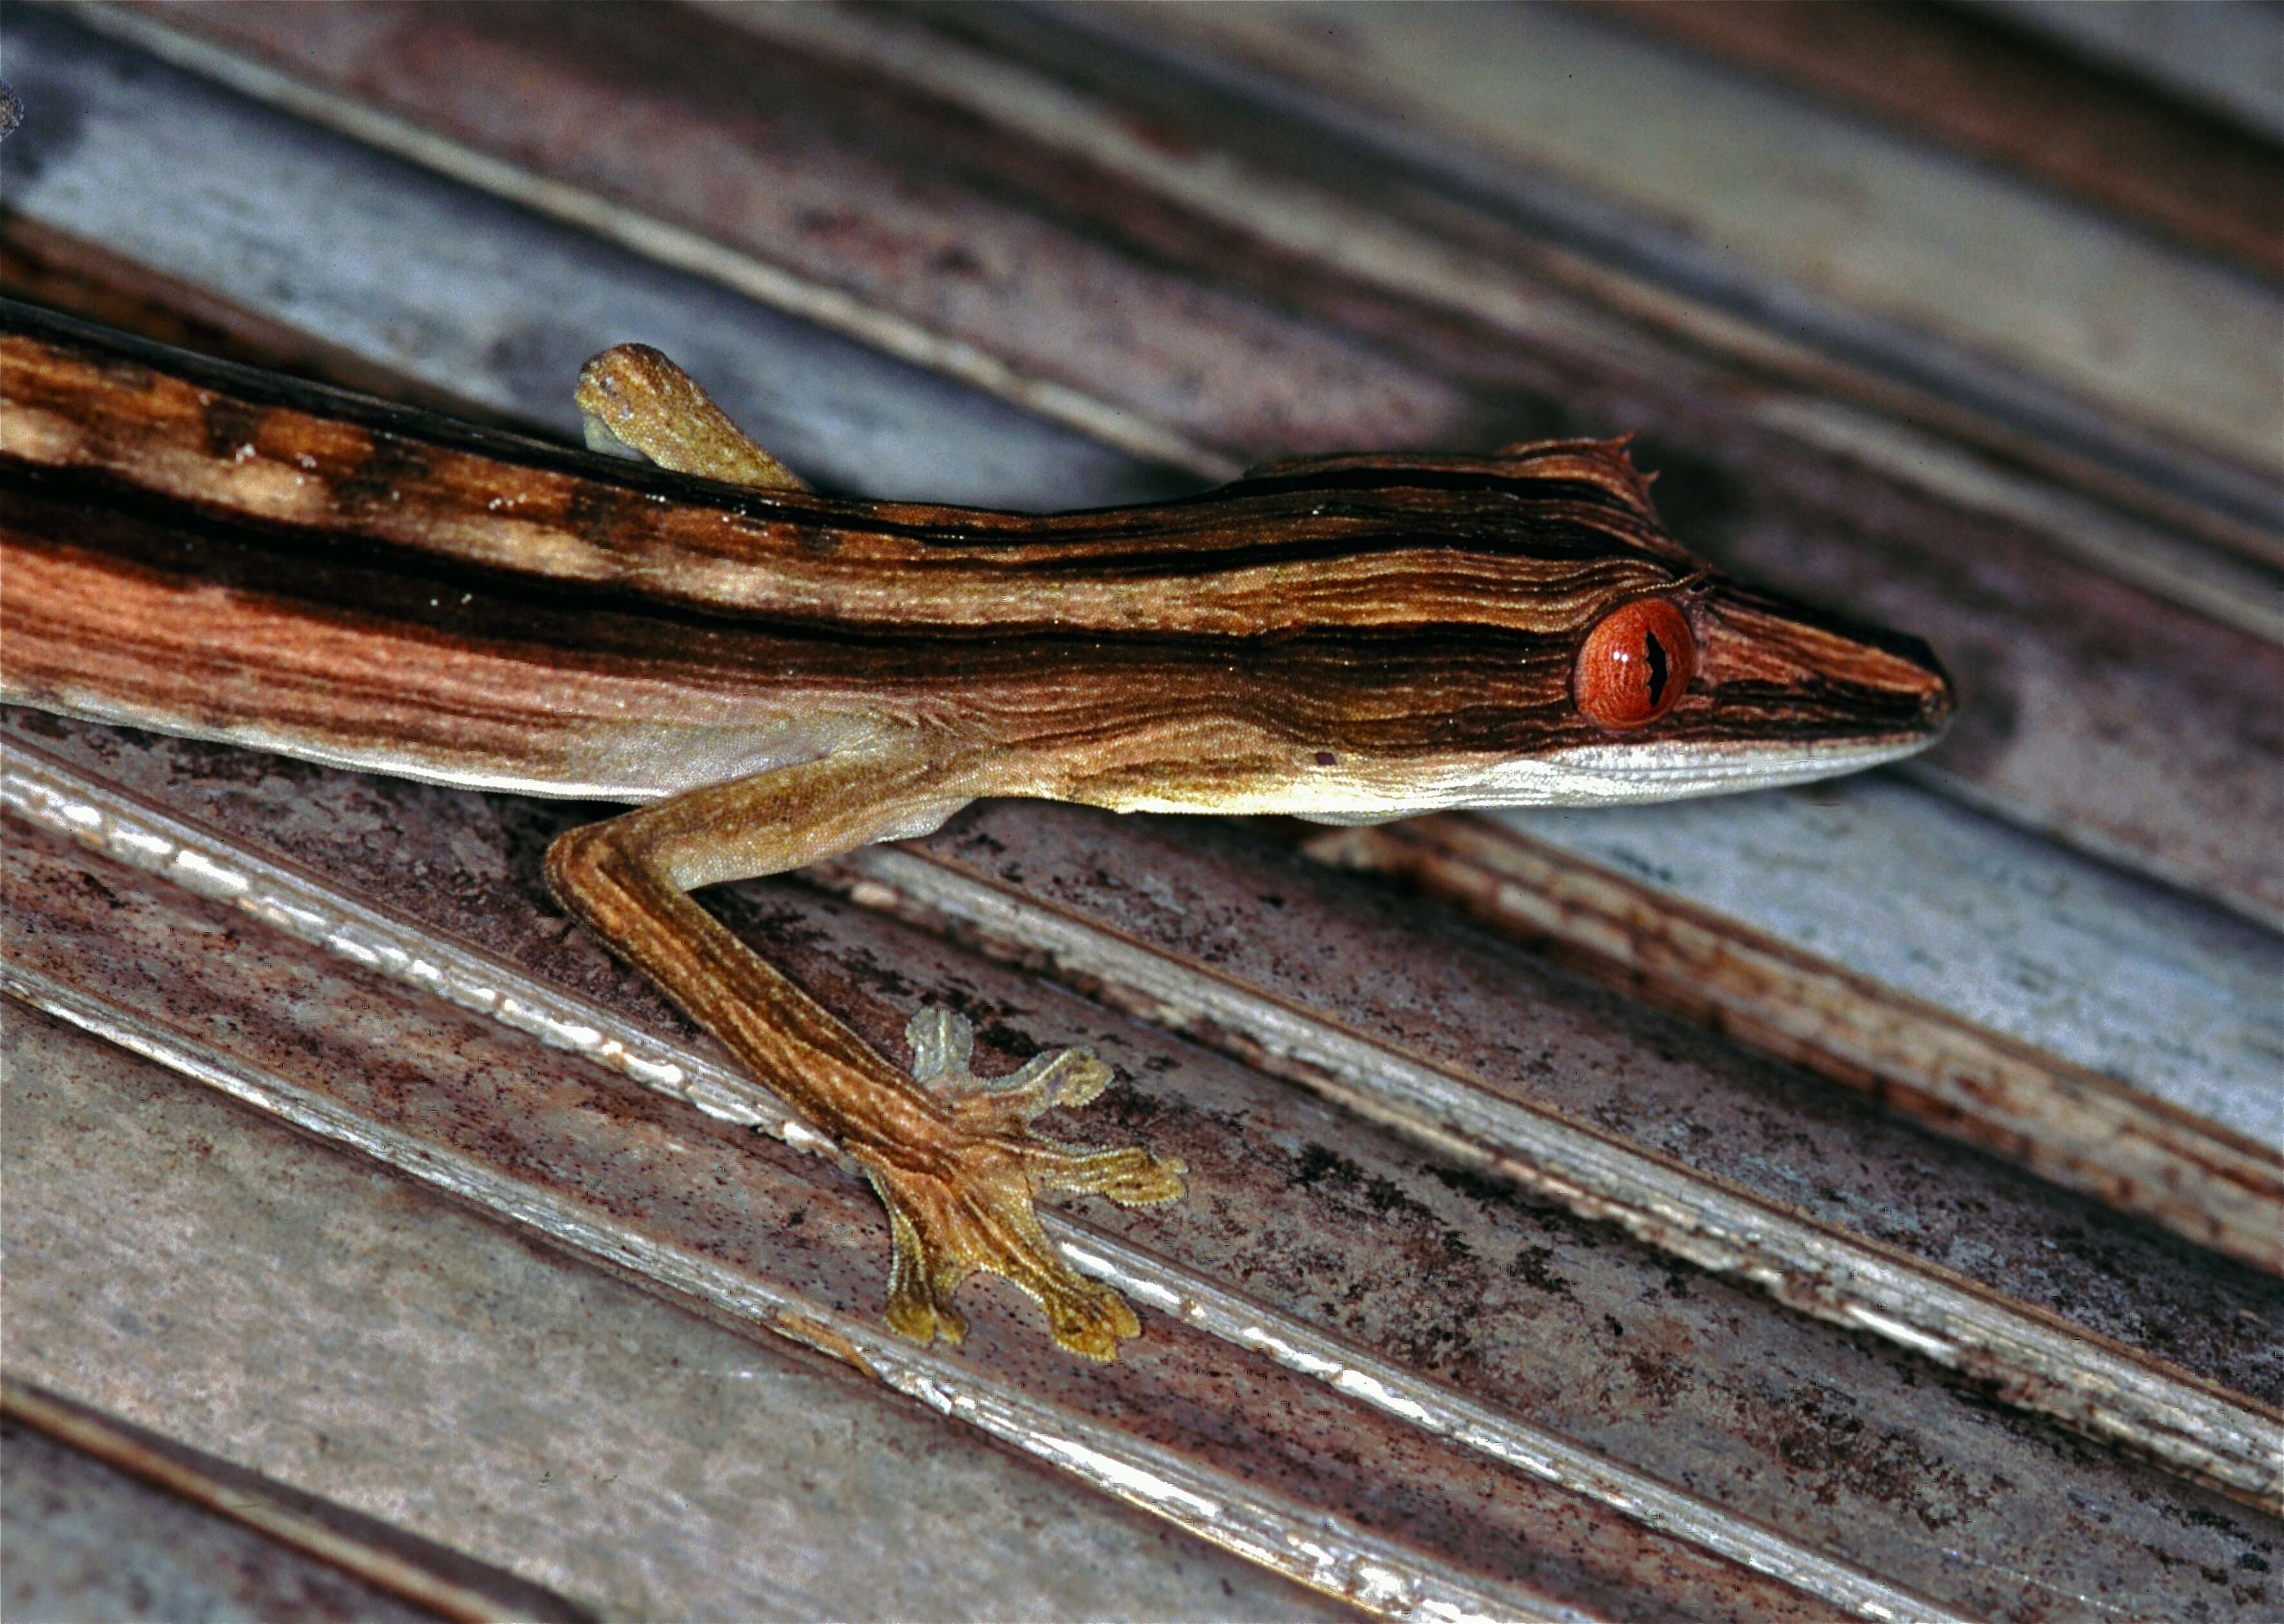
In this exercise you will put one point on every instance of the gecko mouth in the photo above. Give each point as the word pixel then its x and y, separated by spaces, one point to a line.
pixel 1615 774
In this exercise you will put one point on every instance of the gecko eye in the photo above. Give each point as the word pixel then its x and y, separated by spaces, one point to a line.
pixel 1634 664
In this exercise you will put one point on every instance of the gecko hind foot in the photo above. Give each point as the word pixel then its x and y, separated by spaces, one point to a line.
pixel 966 1205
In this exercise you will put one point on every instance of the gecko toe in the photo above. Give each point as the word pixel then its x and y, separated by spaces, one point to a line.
pixel 1129 1175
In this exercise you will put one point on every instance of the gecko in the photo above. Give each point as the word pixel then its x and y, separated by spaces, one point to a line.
pixel 771 675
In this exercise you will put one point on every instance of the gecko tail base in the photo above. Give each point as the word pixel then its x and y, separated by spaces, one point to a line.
pixel 966 1206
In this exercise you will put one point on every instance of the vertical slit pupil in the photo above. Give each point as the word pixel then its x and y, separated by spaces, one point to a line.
pixel 1656 651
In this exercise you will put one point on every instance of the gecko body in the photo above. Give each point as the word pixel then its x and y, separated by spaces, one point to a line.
pixel 774 676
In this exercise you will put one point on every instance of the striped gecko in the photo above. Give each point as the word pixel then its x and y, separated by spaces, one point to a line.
pixel 774 676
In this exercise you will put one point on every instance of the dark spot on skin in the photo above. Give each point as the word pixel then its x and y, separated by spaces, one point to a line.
pixel 593 514
pixel 1326 758
pixel 381 476
pixel 229 424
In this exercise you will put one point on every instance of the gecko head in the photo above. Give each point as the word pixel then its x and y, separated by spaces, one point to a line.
pixel 1588 659
pixel 1660 689
pixel 1520 630
pixel 1655 678
pixel 1710 686
pixel 1596 661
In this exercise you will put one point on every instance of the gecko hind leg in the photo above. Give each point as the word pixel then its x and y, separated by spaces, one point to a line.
pixel 944 1230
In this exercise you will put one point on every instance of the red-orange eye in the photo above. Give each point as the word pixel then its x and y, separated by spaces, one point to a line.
pixel 1634 664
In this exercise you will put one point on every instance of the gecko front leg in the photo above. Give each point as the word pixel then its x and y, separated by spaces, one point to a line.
pixel 632 398
pixel 952 1155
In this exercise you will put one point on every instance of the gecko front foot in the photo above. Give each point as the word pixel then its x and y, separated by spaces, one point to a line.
pixel 963 1203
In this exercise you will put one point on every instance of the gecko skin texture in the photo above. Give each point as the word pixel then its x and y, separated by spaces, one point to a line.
pixel 772 676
